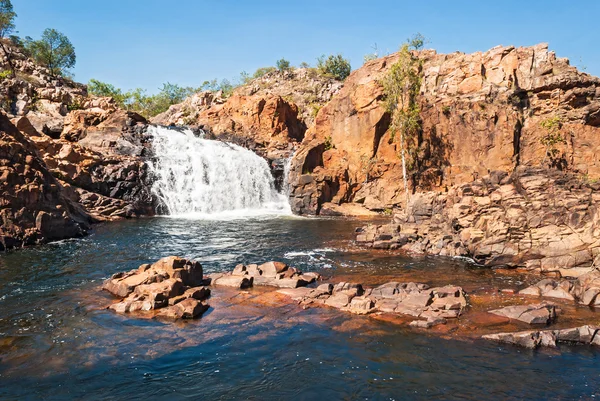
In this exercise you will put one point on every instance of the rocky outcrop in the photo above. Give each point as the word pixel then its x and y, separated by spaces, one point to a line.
pixel 274 274
pixel 305 88
pixel 172 285
pixel 480 112
pixel 431 305
pixel 584 289
pixel 33 205
pixel 537 219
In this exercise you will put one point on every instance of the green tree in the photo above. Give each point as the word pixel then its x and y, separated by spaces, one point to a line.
pixel 283 65
pixel 334 65
pixel 98 88
pixel 401 85
pixel 7 27
pixel 54 51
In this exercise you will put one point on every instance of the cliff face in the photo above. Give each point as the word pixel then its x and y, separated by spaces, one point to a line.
pixel 269 115
pixel 34 207
pixel 480 113
pixel 68 160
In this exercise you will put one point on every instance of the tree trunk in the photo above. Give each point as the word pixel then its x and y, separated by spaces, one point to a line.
pixel 404 168
pixel 8 57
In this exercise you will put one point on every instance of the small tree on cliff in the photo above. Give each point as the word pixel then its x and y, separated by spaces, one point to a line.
pixel 401 87
pixel 335 66
pixel 54 51
pixel 283 65
pixel 7 26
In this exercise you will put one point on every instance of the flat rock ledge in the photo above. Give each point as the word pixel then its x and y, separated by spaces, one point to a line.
pixel 584 335
pixel 431 305
pixel 174 286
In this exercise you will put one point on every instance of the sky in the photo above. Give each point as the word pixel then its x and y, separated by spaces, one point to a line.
pixel 144 43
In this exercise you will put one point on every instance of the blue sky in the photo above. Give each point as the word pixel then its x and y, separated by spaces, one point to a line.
pixel 143 43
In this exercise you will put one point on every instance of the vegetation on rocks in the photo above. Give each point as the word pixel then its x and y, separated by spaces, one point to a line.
pixel 335 65
pixel 53 51
pixel 401 86
pixel 553 137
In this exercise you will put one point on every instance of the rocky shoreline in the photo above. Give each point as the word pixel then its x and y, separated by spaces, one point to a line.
pixel 175 288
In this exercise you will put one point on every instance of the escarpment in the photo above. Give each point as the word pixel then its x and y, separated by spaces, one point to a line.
pixel 480 113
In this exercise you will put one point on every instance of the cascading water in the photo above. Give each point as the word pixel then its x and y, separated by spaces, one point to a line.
pixel 196 177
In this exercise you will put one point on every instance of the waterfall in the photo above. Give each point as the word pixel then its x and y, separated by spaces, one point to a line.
pixel 197 177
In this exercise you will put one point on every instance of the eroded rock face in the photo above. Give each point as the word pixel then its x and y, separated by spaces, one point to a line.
pixel 481 112
pixel 33 205
pixel 172 284
pixel 537 219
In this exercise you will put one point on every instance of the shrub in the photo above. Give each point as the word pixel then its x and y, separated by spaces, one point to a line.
pixel 335 66
pixel 5 74
pixel 263 71
pixel 283 65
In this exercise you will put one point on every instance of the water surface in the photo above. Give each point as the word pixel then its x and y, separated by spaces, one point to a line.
pixel 58 342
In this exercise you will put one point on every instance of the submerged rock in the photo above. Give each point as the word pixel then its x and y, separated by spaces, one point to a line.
pixel 549 338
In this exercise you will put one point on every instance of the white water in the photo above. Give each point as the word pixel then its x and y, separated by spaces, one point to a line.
pixel 201 178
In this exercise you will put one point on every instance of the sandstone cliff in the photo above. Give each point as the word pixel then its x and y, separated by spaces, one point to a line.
pixel 480 113
pixel 269 115
pixel 69 159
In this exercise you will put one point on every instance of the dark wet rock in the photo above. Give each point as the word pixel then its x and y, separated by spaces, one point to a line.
pixel 543 313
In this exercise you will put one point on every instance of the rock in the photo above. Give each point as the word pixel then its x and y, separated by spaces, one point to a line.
pixel 339 300
pixel 240 282
pixel 429 323
pixel 271 269
pixel 531 314
pixel 189 308
pixel 198 293
pixel 549 338
pixel 361 305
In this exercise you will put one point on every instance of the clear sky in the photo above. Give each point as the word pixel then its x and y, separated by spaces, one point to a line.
pixel 143 43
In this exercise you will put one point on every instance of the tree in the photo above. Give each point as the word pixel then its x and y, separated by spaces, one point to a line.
pixel 7 26
pixel 54 51
pixel 334 65
pixel 283 65
pixel 401 86
pixel 98 88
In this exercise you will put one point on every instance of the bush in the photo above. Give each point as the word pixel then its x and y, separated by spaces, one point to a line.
pixel 334 65
pixel 263 71
pixel 283 65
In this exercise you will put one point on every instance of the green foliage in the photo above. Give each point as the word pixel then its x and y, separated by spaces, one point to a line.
pixel 328 144
pixel 372 56
pixel 7 18
pixel 283 65
pixel 401 85
pixel 263 71
pixel 5 74
pixel 138 100
pixel 446 110
pixel 315 107
pixel 75 105
pixel 98 88
pixel 335 66
pixel 54 51
pixel 304 64
pixel 553 136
